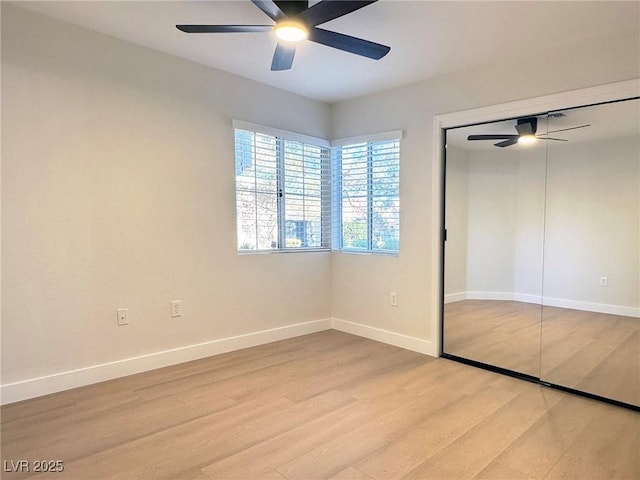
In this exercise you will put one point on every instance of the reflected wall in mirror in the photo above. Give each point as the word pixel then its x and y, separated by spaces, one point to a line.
pixel 494 216
pixel 591 329
pixel 542 257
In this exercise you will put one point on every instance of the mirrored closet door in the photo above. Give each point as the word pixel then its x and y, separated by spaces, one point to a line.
pixel 591 296
pixel 542 250
pixel 494 219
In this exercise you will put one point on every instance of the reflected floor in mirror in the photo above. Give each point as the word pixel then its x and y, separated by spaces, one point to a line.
pixel 593 352
pixel 501 333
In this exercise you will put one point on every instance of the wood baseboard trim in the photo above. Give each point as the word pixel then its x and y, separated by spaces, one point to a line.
pixel 57 382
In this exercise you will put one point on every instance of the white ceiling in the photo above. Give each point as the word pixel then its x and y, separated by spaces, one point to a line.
pixel 427 38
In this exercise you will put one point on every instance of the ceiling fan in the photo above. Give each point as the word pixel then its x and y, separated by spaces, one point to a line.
pixel 296 21
pixel 526 128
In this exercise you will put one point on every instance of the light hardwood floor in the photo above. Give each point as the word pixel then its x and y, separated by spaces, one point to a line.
pixel 327 405
pixel 593 352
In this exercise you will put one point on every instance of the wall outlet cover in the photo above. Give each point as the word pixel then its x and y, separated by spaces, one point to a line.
pixel 176 308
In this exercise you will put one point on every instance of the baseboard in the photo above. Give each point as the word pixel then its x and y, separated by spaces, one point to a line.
pixel 386 336
pixel 455 297
pixel 58 382
pixel 547 301
pixel 507 296
pixel 593 307
pixel 512 296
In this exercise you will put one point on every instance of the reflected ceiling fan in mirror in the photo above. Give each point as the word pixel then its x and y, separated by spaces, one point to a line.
pixel 296 21
pixel 526 128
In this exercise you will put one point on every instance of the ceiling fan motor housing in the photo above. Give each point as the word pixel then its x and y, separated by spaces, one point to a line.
pixel 527 126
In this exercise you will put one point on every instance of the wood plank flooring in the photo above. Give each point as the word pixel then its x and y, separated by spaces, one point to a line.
pixel 593 352
pixel 328 405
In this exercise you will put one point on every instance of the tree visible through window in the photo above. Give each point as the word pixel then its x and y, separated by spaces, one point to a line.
pixel 368 196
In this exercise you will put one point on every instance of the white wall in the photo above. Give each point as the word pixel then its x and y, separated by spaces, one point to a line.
pixel 361 284
pixel 529 224
pixel 118 191
pixel 491 221
pixel 505 227
pixel 456 221
pixel 592 223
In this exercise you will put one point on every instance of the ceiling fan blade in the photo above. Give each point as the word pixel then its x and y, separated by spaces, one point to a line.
pixel 327 10
pixel 571 128
pixel 527 126
pixel 291 8
pixel 507 143
pixel 492 137
pixel 224 28
pixel 283 56
pixel 270 8
pixel 348 43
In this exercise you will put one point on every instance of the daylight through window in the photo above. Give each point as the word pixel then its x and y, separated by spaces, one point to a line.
pixel 367 196
pixel 283 199
pixel 295 192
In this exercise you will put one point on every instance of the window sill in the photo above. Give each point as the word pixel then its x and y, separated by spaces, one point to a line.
pixel 282 250
pixel 369 252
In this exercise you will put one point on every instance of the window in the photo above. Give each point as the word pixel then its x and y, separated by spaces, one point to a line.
pixel 283 198
pixel 367 195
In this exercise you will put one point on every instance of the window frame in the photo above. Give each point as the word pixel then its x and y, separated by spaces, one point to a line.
pixel 337 210
pixel 281 138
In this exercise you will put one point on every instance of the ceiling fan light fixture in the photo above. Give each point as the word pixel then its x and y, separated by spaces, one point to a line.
pixel 291 31
pixel 527 139
pixel 295 20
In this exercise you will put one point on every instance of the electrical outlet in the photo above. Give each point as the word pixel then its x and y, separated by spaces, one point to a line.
pixel 393 299
pixel 604 281
pixel 123 316
pixel 176 308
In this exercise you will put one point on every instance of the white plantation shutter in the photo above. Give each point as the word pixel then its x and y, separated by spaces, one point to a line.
pixel 367 195
pixel 256 190
pixel 283 198
pixel 306 202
